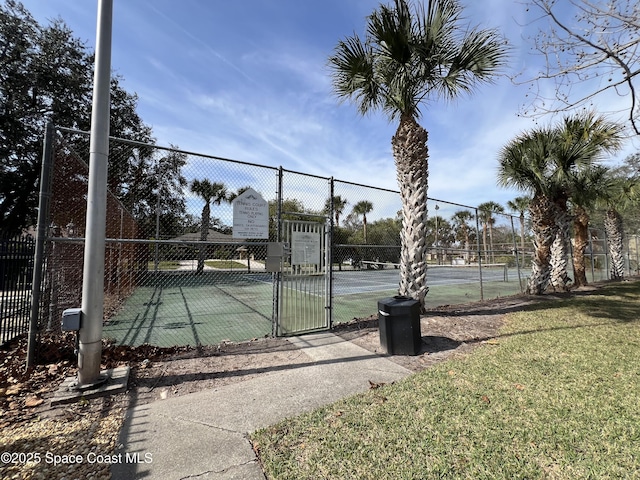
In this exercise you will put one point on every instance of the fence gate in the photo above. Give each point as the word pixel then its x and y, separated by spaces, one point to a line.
pixel 304 286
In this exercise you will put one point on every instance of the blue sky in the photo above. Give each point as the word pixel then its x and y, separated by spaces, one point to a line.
pixel 247 79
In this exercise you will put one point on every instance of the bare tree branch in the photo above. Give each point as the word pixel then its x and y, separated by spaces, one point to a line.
pixel 590 48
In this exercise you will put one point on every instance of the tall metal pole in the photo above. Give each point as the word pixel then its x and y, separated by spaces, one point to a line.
pixel 90 350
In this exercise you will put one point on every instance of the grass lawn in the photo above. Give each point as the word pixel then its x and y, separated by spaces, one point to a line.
pixel 556 395
pixel 164 265
pixel 226 264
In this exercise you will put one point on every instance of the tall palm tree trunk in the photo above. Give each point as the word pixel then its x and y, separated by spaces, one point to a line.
pixel 613 229
pixel 560 249
pixel 364 228
pixel 491 248
pixel 411 155
pixel 544 233
pixel 484 242
pixel 467 247
pixel 204 233
pixel 581 241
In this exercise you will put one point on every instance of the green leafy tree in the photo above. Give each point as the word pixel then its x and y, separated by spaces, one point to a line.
pixel 160 196
pixel 46 74
pixel 412 54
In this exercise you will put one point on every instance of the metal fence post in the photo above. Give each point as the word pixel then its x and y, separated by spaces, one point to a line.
pixel 637 256
pixel 593 274
pixel 606 255
pixel 479 254
pixel 43 221
pixel 277 277
pixel 515 251
pixel 331 251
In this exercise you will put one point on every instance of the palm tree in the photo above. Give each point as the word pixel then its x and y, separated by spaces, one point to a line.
pixel 520 205
pixel 544 162
pixel 362 208
pixel 525 164
pixel 209 192
pixel 461 227
pixel 231 196
pixel 621 194
pixel 581 142
pixel 589 187
pixel 339 205
pixel 412 54
pixel 485 213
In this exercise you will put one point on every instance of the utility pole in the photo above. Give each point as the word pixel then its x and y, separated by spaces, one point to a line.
pixel 90 334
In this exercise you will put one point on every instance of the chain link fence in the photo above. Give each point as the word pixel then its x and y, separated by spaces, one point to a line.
pixel 175 274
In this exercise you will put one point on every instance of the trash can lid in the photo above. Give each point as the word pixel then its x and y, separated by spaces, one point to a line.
pixel 399 300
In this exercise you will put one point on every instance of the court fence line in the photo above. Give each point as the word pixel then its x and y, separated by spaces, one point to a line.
pixel 175 274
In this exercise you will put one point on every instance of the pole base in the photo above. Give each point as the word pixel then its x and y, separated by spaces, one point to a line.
pixel 115 382
pixel 101 380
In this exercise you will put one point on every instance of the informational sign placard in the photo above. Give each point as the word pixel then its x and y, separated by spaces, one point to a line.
pixel 250 215
pixel 305 248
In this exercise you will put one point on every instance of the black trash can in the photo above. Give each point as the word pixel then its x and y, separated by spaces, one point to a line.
pixel 399 325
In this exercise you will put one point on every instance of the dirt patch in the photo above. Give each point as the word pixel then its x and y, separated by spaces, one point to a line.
pixel 446 331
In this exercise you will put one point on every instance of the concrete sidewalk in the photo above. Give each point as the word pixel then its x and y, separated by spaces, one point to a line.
pixel 204 435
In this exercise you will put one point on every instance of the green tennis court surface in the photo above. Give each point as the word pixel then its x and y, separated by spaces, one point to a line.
pixel 177 308
pixel 188 309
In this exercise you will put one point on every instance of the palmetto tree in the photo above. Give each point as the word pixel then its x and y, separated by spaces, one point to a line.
pixel 485 214
pixel 581 142
pixel 339 204
pixel 461 227
pixel 621 194
pixel 589 187
pixel 525 165
pixel 231 196
pixel 411 54
pixel 211 193
pixel 544 162
pixel 362 208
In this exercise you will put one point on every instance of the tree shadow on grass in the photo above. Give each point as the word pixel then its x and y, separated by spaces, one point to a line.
pixel 618 301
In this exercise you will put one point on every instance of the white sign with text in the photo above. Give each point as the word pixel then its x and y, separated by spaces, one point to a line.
pixel 250 215
pixel 305 248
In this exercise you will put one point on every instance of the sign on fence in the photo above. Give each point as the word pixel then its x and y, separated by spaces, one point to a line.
pixel 250 215
pixel 305 248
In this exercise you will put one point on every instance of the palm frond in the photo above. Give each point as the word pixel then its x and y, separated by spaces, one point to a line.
pixel 411 55
pixel 353 74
